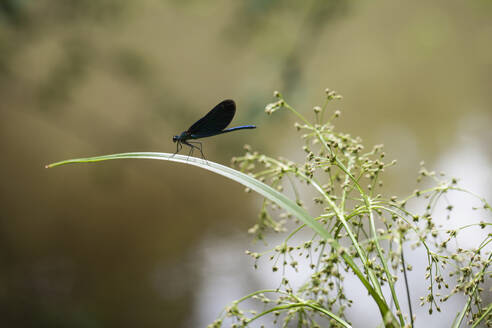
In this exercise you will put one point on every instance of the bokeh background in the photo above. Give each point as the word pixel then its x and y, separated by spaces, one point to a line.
pixel 156 244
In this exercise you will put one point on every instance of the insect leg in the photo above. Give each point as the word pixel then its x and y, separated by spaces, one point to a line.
pixel 198 147
pixel 191 145
pixel 178 148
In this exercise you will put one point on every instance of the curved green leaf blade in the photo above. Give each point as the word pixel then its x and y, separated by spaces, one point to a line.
pixel 246 180
pixel 261 188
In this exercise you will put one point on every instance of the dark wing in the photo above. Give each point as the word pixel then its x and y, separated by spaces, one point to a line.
pixel 216 120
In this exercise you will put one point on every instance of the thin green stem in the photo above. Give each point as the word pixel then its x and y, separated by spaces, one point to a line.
pixel 486 312
pixel 461 316
pixel 340 216
pixel 302 304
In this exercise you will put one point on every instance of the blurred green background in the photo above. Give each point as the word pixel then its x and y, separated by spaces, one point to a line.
pixel 142 243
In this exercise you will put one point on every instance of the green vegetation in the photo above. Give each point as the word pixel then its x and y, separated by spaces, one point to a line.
pixel 357 231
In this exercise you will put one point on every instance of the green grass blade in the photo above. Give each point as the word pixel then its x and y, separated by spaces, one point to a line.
pixel 246 180
pixel 261 188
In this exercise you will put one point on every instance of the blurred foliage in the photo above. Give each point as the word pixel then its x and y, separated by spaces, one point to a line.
pixel 315 16
pixel 11 11
pixel 26 24
pixel 27 21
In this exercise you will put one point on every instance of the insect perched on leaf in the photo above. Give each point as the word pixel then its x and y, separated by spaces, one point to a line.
pixel 214 123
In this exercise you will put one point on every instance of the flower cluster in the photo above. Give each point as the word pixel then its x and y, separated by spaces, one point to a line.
pixel 367 232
